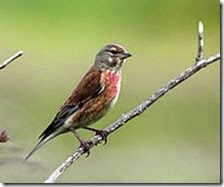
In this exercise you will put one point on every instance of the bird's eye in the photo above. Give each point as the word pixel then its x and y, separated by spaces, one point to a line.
pixel 113 52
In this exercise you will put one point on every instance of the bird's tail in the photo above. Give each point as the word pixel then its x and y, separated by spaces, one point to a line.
pixel 42 141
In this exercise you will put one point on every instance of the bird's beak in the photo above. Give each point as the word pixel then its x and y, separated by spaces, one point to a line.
pixel 125 55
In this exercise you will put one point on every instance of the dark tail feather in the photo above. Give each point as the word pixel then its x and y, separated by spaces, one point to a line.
pixel 33 150
pixel 42 141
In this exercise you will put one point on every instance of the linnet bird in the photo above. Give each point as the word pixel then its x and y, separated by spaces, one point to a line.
pixel 93 97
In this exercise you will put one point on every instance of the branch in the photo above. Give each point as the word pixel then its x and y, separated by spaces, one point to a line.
pixel 200 41
pixel 10 59
pixel 138 110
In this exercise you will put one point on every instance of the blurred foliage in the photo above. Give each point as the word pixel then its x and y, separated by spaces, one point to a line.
pixel 176 140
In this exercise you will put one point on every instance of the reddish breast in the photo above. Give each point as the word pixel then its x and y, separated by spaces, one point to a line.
pixel 112 83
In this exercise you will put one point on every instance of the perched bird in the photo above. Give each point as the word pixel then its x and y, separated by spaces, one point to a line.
pixel 93 97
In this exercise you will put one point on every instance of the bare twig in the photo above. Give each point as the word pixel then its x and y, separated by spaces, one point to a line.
pixel 201 63
pixel 200 41
pixel 10 59
pixel 133 113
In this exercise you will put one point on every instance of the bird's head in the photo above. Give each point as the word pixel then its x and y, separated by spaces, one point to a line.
pixel 112 57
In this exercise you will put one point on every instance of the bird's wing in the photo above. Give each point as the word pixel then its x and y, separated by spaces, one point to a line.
pixel 89 87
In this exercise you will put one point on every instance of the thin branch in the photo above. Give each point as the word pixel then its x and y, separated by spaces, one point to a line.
pixel 138 110
pixel 200 41
pixel 133 113
pixel 10 59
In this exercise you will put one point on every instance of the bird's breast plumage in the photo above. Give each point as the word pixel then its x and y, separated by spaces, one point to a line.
pixel 112 81
pixel 97 107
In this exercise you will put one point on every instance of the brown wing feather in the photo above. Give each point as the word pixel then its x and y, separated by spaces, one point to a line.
pixel 86 88
pixel 89 87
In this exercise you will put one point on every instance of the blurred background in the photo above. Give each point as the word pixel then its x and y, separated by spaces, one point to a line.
pixel 176 140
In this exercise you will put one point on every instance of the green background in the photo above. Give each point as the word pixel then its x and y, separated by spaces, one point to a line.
pixel 176 140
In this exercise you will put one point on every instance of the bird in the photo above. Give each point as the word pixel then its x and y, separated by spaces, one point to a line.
pixel 93 97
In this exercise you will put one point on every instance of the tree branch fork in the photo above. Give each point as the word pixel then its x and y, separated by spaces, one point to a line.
pixel 200 63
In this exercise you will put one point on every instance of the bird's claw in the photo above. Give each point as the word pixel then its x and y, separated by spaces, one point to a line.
pixel 103 134
pixel 86 145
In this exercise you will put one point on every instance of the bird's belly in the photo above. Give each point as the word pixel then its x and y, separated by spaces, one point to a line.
pixel 89 115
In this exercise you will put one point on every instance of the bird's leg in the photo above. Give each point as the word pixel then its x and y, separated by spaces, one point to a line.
pixel 83 143
pixel 100 132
